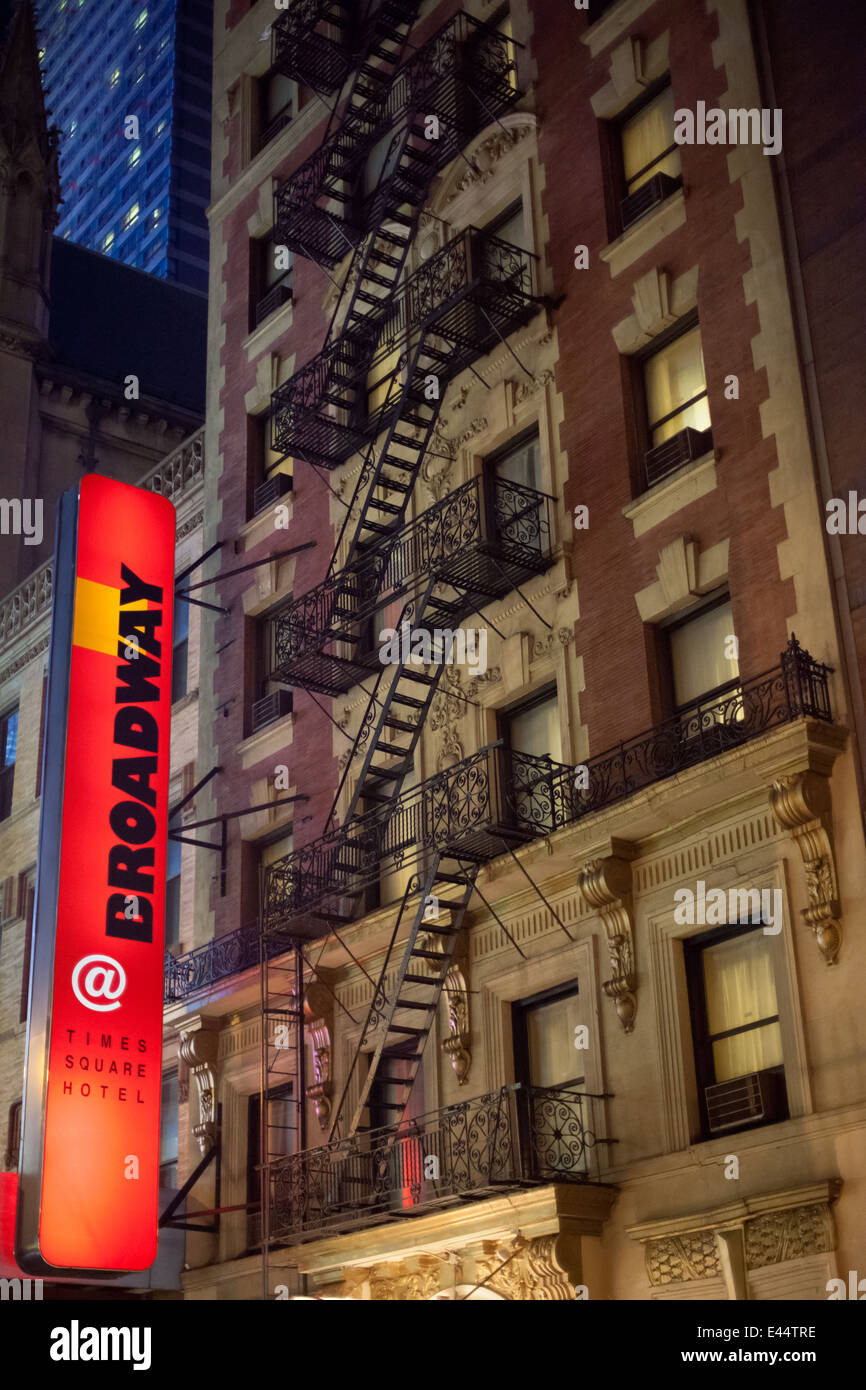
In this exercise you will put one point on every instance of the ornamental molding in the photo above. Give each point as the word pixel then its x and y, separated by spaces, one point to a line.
pixel 484 155
pixel 605 885
pixel 801 803
pixel 24 659
pixel 745 1236
pixel 319 1023
pixel 545 1269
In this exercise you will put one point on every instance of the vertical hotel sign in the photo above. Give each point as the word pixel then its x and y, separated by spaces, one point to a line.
pixel 90 1143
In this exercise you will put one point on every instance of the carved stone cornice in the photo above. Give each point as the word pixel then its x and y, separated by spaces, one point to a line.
pixel 801 803
pixel 199 1048
pixel 544 1269
pixel 456 1045
pixel 605 884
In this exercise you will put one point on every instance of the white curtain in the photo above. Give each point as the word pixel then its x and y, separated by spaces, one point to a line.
pixel 553 1058
pixel 741 989
pixel 698 654
pixel 644 137
pixel 673 376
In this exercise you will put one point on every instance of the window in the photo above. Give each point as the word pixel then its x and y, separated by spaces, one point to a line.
pixel 533 726
pixel 180 649
pixel 736 1029
pixel 676 388
pixel 510 227
pixel 265 465
pixel 282 1137
pixel 650 156
pixel 168 1130
pixel 543 1028
pixel 271 271
pixel 130 217
pixel 702 654
pixel 519 462
pixel 8 751
pixel 172 893
pixel 272 699
pixel 26 909
pixel 278 101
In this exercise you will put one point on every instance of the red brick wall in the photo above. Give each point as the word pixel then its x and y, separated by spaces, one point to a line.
pixel 609 563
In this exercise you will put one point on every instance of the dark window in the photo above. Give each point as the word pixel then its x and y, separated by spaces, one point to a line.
pixel 271 699
pixel 278 100
pixel 736 1029
pixel 168 1130
pixel 41 748
pixel 265 465
pixel 281 1139
pixel 172 893
pixel 510 226
pixel 180 649
pixel 518 462
pixel 270 279
pixel 544 1029
pixel 8 753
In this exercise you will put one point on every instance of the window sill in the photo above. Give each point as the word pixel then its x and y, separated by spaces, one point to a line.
pixel 612 24
pixel 271 327
pixel 672 494
pixel 645 234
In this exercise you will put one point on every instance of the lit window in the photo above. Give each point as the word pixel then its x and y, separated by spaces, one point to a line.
pixel 131 217
pixel 108 242
pixel 141 20
pixel 676 388
pixel 135 156
pixel 699 648
pixel 648 146
pixel 41 54
pixel 73 126
pixel 161 127
pixel 8 753
pixel 114 78
pixel 157 214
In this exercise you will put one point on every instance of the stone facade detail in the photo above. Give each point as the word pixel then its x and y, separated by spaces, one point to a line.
pixel 801 804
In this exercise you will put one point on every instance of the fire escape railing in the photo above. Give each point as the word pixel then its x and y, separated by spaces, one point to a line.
pixel 474 289
pixel 516 1136
pixel 501 797
pixel 302 51
pixel 484 537
pixel 463 77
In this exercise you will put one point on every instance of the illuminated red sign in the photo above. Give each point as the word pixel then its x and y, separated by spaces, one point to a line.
pixel 90 1149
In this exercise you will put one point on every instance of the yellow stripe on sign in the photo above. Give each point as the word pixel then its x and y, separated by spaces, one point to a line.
pixel 97 615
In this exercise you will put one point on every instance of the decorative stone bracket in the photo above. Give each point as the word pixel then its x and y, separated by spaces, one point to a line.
pixel 199 1047
pixel 605 885
pixel 456 1045
pixel 800 802
pixel 318 1019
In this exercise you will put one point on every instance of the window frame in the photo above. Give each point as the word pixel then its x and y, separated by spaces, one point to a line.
pixel 520 1011
pixel 615 161
pixel 639 404
pixel 664 629
pixel 7 770
pixel 702 1040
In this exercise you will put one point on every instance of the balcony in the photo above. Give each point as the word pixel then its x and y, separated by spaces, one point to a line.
pixel 493 799
pixel 795 689
pixel 518 1136
pixel 498 797
pixel 476 288
pixel 303 50
pixel 485 538
pixel 463 75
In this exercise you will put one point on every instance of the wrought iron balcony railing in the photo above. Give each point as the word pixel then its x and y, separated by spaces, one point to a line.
pixel 303 50
pixel 463 76
pixel 473 291
pixel 484 538
pixel 797 687
pixel 500 797
pixel 514 1137
pixel 494 798
pixel 206 965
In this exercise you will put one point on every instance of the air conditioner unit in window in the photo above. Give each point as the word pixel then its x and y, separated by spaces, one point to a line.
pixel 270 708
pixel 746 1100
pixel 680 449
pixel 654 191
pixel 267 493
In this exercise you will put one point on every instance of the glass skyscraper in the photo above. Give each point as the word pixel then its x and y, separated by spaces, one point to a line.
pixel 129 87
